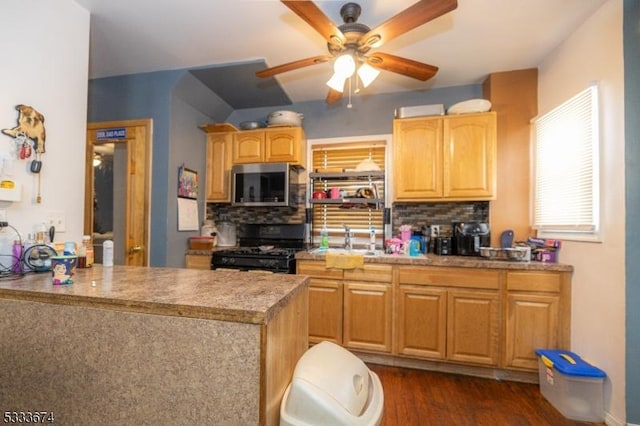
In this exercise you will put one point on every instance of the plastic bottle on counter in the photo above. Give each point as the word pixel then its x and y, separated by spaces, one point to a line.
pixel 16 267
pixel 107 253
pixel 82 256
pixel 372 239
pixel 69 248
pixel 324 238
pixel 88 244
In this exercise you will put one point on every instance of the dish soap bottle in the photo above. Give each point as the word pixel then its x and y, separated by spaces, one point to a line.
pixel 372 239
pixel 324 238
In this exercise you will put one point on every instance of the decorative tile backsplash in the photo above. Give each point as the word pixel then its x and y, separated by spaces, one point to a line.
pixel 421 214
pixel 416 214
pixel 239 215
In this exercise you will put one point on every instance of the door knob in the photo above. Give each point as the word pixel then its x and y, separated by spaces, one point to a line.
pixel 135 249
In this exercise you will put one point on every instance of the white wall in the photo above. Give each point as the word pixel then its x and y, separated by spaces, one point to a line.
pixel 45 49
pixel 594 53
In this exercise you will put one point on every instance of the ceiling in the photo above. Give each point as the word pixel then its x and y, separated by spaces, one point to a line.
pixel 224 42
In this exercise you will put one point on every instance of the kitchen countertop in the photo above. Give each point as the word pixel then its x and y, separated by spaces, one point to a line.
pixel 449 261
pixel 247 297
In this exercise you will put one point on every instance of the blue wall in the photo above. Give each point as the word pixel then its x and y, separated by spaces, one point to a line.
pixel 141 96
pixel 370 115
pixel 632 182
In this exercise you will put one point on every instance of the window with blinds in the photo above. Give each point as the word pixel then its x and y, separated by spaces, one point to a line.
pixel 566 181
pixel 360 217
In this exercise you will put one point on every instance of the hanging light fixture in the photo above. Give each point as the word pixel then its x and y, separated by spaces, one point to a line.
pixel 345 66
pixel 367 74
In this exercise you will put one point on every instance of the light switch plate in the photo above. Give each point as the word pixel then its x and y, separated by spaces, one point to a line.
pixel 58 220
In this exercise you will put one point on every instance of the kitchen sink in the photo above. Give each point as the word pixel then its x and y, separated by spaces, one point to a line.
pixel 336 250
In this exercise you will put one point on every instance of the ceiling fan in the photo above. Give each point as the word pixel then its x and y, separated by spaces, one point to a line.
pixel 350 44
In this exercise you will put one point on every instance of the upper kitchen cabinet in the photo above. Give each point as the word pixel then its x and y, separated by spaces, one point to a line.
pixel 272 145
pixel 445 158
pixel 218 165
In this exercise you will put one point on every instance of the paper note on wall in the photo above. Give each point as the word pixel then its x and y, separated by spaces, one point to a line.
pixel 187 214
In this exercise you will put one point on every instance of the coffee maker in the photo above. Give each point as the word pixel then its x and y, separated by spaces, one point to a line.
pixel 468 237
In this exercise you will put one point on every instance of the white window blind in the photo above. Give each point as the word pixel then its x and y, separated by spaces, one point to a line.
pixel 361 217
pixel 566 144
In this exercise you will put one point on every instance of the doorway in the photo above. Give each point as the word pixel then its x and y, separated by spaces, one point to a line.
pixel 117 188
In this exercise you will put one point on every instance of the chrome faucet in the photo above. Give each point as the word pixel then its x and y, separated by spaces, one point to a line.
pixel 348 237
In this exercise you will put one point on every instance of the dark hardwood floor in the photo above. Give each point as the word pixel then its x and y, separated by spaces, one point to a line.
pixel 416 397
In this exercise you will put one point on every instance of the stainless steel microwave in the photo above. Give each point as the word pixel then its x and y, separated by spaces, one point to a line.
pixel 263 184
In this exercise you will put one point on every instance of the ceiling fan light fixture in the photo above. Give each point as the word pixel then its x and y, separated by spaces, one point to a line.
pixel 336 82
pixel 344 65
pixel 367 74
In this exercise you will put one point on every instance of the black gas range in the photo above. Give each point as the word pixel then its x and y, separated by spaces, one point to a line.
pixel 263 247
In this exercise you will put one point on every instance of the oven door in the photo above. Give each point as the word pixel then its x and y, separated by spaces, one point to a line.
pixel 275 265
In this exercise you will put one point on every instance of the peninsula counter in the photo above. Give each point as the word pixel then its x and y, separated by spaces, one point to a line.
pixel 141 345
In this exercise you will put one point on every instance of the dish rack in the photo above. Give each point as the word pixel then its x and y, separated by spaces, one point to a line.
pixel 520 254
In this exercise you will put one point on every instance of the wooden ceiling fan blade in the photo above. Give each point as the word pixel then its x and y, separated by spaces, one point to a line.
pixel 313 16
pixel 333 96
pixel 413 16
pixel 404 66
pixel 290 66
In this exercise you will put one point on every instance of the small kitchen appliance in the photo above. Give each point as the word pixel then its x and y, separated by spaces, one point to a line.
pixel 468 237
pixel 442 246
pixel 263 184
pixel 264 247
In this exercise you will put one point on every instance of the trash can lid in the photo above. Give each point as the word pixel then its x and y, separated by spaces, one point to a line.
pixel 334 372
pixel 568 363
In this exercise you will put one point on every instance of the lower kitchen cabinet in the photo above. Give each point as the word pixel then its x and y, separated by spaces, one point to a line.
pixel 325 310
pixel 473 326
pixel 448 314
pixel 197 261
pixel 350 307
pixel 367 316
pixel 473 317
pixel 325 301
pixel 537 315
pixel 422 318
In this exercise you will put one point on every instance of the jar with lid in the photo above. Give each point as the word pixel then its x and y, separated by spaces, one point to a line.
pixel 88 245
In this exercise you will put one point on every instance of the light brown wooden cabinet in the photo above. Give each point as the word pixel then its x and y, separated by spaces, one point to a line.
pixel 448 314
pixel 350 307
pixel 273 145
pixel 368 307
pixel 197 261
pixel 538 314
pixel 477 318
pixel 445 158
pixel 325 301
pixel 218 167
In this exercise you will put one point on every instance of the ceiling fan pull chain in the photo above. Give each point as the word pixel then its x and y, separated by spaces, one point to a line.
pixel 349 105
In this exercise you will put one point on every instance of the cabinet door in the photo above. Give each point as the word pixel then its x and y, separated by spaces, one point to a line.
pixel 417 159
pixel 421 322
pixel 532 323
pixel 470 156
pixel 218 166
pixel 473 327
pixel 367 316
pixel 283 145
pixel 197 261
pixel 248 147
pixel 325 310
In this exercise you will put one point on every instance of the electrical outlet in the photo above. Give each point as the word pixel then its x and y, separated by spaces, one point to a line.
pixel 58 220
pixel 435 231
